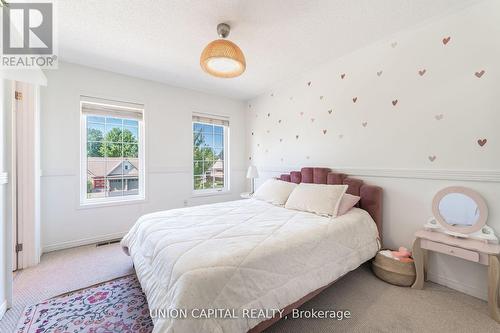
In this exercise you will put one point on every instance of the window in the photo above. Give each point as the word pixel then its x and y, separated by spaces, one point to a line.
pixel 210 154
pixel 112 151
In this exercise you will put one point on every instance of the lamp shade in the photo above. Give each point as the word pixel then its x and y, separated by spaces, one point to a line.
pixel 222 58
pixel 252 172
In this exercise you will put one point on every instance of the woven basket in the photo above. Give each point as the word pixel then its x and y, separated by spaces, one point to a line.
pixel 394 271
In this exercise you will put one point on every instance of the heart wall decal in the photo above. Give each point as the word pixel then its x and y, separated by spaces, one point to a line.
pixel 395 102
pixel 446 40
pixel 479 74
pixel 309 83
pixel 342 76
pixel 297 137
pixel 330 111
pixel 482 142
pixel 324 131
pixel 393 45
pixel 422 72
pixel 379 73
pixel 354 99
pixel 365 123
pixel 439 116
pixel 432 158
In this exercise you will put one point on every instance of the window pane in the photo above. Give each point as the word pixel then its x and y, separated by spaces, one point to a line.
pixel 95 119
pixel 218 153
pixel 113 149
pixel 219 130
pixel 95 132
pixel 94 149
pixel 208 140
pixel 208 129
pixel 197 168
pixel 209 183
pixel 114 121
pixel 96 184
pixel 115 186
pixel 113 131
pixel 198 182
pixel 130 150
pixel 130 134
pixel 218 141
pixel 197 127
pixel 207 167
pixel 128 122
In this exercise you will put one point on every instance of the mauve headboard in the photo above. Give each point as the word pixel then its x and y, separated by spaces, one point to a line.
pixel 371 196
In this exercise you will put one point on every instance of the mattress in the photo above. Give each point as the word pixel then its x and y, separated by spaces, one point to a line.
pixel 239 257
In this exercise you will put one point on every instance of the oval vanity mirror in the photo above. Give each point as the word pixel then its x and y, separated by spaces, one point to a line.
pixel 460 209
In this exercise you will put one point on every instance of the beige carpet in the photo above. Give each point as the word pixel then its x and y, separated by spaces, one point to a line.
pixel 64 271
pixel 375 306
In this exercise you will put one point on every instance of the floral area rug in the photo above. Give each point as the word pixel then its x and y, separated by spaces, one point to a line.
pixel 111 307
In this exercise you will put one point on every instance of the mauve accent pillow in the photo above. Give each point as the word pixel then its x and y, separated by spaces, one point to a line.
pixel 274 191
pixel 347 202
pixel 320 199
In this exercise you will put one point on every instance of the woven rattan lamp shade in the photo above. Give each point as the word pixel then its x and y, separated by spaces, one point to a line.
pixel 223 58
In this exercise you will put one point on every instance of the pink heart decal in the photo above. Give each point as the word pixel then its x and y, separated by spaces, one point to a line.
pixel 379 73
pixel 422 72
pixel 394 102
pixel 354 99
pixel 342 76
pixel 446 40
pixel 364 124
pixel 439 116
pixel 330 111
pixel 482 142
pixel 479 74
pixel 324 131
pixel 432 158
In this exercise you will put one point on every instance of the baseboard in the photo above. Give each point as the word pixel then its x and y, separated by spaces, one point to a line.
pixel 453 284
pixel 83 241
pixel 3 309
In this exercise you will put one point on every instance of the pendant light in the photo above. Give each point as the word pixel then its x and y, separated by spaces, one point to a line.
pixel 222 58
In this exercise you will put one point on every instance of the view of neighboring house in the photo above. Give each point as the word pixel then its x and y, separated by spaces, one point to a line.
pixel 112 177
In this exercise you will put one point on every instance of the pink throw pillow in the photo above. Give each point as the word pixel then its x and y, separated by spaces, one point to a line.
pixel 347 202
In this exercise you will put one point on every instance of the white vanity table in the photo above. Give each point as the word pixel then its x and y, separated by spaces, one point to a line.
pixel 459 229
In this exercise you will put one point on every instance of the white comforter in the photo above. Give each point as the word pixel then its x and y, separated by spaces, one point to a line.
pixel 244 254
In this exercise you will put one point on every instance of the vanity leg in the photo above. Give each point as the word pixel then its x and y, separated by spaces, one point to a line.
pixel 493 287
pixel 418 257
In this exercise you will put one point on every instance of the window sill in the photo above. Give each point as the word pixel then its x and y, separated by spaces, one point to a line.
pixel 102 204
pixel 209 194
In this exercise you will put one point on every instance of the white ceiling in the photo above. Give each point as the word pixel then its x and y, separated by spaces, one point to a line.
pixel 161 40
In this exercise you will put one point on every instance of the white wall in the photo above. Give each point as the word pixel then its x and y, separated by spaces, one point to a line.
pixel 5 227
pixel 442 113
pixel 168 114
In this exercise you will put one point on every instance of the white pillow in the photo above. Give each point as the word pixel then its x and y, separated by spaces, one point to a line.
pixel 317 198
pixel 274 191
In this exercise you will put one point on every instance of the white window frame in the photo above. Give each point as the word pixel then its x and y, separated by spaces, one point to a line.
pixel 109 201
pixel 212 191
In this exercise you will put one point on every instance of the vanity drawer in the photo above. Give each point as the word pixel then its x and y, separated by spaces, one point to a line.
pixel 450 250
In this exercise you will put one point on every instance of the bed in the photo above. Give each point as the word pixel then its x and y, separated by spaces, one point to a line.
pixel 241 256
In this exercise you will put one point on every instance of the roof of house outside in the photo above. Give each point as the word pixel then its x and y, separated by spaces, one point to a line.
pixel 112 167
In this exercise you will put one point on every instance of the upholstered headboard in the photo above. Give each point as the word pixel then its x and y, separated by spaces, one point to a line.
pixel 371 196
